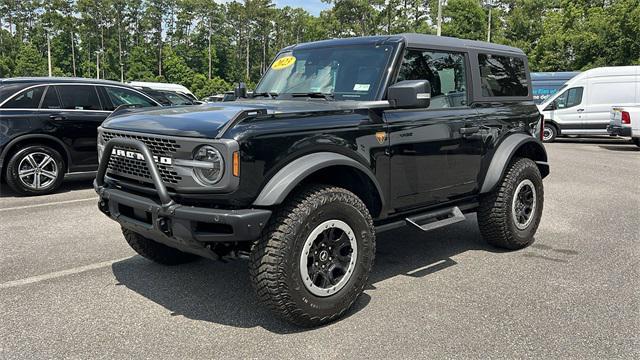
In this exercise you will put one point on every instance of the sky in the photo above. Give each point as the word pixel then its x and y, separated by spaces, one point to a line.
pixel 312 6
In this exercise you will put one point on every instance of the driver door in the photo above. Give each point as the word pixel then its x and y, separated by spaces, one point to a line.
pixel 568 112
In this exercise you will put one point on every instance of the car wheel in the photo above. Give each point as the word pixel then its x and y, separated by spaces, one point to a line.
pixel 549 133
pixel 315 256
pixel 35 170
pixel 636 141
pixel 509 216
pixel 155 251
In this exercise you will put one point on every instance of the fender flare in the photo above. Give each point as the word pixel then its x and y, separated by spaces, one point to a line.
pixel 11 143
pixel 287 178
pixel 503 155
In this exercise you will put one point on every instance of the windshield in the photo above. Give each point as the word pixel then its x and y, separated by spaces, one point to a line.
pixel 340 73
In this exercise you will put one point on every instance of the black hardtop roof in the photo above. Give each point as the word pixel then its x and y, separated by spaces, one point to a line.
pixel 49 80
pixel 413 40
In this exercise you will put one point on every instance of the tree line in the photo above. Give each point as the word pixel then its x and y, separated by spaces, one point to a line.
pixel 208 46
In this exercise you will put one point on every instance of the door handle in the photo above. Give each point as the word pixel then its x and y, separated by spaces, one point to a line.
pixel 580 110
pixel 57 117
pixel 469 130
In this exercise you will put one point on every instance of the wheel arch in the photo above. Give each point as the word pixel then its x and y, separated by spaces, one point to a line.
pixel 555 125
pixel 35 139
pixel 516 145
pixel 324 168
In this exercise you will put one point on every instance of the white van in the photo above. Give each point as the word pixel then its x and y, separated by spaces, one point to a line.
pixel 583 104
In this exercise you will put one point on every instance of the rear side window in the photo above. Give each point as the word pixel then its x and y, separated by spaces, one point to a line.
pixel 50 100
pixel 28 99
pixel 79 97
pixel 502 76
pixel 120 96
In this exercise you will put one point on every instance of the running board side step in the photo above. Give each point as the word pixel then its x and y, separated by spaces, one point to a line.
pixel 437 219
pixel 429 220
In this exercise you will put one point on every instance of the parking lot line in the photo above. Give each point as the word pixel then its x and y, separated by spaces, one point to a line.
pixel 57 274
pixel 47 204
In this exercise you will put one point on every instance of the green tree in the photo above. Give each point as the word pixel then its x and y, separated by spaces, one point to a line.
pixel 464 19
pixel 30 62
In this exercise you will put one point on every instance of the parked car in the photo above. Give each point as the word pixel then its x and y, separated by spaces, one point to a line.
pixel 342 139
pixel 49 127
pixel 176 88
pixel 582 106
pixel 546 84
pixel 625 121
pixel 169 98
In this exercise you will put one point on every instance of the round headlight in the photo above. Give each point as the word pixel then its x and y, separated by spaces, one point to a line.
pixel 211 174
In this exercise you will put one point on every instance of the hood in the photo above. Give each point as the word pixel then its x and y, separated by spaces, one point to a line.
pixel 208 120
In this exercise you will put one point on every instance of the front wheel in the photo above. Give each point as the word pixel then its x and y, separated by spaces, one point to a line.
pixel 509 216
pixel 315 257
pixel 549 133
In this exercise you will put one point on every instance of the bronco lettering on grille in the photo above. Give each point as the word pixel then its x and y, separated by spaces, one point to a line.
pixel 138 156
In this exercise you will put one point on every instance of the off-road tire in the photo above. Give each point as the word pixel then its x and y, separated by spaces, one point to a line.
pixel 155 251
pixel 553 130
pixel 275 258
pixel 12 169
pixel 495 219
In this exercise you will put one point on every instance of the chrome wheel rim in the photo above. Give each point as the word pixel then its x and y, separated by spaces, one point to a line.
pixel 524 204
pixel 328 258
pixel 547 133
pixel 37 171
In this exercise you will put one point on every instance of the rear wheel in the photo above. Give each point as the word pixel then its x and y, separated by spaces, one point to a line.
pixel 636 141
pixel 35 170
pixel 155 251
pixel 509 216
pixel 315 257
pixel 549 133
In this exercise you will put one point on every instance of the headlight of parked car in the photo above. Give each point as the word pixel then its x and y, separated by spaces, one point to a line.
pixel 208 175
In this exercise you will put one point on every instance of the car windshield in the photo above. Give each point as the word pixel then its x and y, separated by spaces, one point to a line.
pixel 332 73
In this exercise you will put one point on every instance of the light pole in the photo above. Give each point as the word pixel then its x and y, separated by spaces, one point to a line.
pixel 98 63
pixel 439 20
pixel 490 6
pixel 48 30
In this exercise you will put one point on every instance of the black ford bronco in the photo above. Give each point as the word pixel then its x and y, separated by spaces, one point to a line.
pixel 342 139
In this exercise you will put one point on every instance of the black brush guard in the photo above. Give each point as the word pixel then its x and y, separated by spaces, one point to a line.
pixel 186 228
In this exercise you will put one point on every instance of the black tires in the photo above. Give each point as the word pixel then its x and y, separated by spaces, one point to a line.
pixel 636 141
pixel 509 216
pixel 549 133
pixel 35 170
pixel 315 256
pixel 155 251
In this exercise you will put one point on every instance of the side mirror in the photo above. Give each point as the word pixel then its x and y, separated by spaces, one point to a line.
pixel 552 106
pixel 240 91
pixel 410 94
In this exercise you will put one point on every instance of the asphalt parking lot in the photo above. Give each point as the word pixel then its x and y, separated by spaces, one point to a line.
pixel 70 287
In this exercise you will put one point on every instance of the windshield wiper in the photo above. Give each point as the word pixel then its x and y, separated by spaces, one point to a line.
pixel 269 94
pixel 319 95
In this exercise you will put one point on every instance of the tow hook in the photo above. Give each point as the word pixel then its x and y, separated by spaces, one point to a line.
pixel 103 205
pixel 164 225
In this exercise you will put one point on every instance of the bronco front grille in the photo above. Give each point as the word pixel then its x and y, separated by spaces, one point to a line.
pixel 137 169
pixel 158 146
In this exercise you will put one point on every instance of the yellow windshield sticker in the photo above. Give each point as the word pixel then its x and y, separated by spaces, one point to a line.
pixel 283 62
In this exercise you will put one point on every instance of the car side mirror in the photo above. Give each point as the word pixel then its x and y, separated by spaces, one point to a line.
pixel 240 91
pixel 552 106
pixel 410 94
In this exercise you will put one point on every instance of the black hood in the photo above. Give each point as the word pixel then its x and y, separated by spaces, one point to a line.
pixel 208 119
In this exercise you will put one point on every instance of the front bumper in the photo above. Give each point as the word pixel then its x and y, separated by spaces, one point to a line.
pixel 617 130
pixel 186 228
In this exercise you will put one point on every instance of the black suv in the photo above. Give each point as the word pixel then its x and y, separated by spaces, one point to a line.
pixel 342 139
pixel 48 127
